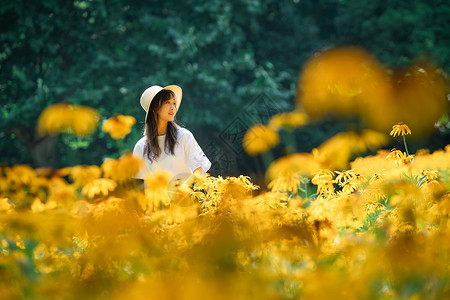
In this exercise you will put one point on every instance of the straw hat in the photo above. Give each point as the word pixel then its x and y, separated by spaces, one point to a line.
pixel 150 93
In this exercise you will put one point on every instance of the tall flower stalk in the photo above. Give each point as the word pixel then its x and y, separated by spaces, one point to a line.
pixel 401 129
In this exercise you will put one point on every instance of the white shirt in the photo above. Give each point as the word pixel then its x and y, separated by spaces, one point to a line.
pixel 188 156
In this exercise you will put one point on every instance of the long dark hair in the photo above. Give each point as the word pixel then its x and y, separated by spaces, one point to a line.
pixel 152 150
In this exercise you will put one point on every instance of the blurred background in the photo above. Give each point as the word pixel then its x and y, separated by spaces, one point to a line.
pixel 238 62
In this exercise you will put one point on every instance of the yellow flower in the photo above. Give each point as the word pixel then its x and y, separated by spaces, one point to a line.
pixel 259 139
pixel 344 177
pixel 63 172
pixel 82 208
pixel 112 205
pixel 5 206
pixel 118 126
pixel 321 209
pixel 372 140
pixel 269 200
pixel 61 192
pixel 341 81
pixel 350 187
pixel 3 183
pixel 376 177
pixel 337 151
pixel 421 92
pixel 84 120
pixel 444 204
pixel 400 129
pixel 38 206
pixel 323 176
pixel 288 183
pixel 303 163
pixel 180 193
pixel 19 242
pixel 20 175
pixel 324 181
pixel 83 175
pixel 158 180
pixel 399 157
pixel 290 120
pixel 370 165
pixel 350 183
pixel 427 175
pixel 122 169
pixel 156 189
pixel 98 186
pixel 174 215
pixel 81 120
pixel 54 119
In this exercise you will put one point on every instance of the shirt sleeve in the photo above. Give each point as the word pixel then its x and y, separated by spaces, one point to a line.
pixel 195 157
pixel 138 152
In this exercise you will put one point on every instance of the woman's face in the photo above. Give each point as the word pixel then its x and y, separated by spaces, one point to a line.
pixel 168 110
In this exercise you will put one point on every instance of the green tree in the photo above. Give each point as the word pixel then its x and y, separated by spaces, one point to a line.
pixel 103 54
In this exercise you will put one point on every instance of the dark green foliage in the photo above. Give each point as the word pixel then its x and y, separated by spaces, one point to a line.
pixel 103 54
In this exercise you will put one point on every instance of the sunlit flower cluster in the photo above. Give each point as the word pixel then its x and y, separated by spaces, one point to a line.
pixel 80 120
pixel 383 221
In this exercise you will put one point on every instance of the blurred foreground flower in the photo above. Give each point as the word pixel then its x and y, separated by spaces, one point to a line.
pixel 288 120
pixel 372 239
pixel 349 82
pixel 122 169
pixel 118 126
pixel 99 186
pixel 259 139
pixel 301 163
pixel 5 206
pixel 19 175
pixel 81 120
pixel 82 175
pixel 336 152
pixel 420 98
pixel 341 81
pixel 156 190
pixel 289 183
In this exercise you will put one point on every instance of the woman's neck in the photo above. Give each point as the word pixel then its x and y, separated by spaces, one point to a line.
pixel 162 128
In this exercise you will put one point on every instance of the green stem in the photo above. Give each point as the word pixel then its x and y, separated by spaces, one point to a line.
pixel 406 147
pixel 407 153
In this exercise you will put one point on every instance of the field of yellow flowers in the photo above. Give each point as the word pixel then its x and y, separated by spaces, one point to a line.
pixel 377 231
pixel 324 227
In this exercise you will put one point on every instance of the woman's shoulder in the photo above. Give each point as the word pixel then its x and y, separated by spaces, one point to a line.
pixel 183 132
pixel 141 142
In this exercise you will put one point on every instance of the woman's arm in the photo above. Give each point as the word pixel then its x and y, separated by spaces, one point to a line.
pixel 200 169
pixel 195 158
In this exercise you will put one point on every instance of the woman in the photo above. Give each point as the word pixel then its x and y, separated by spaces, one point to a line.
pixel 166 145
